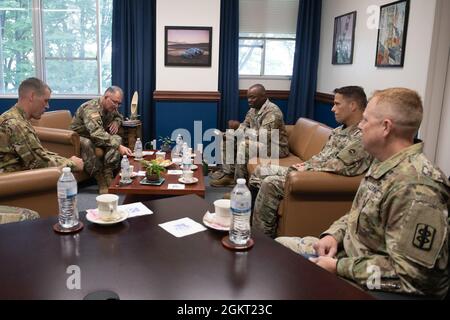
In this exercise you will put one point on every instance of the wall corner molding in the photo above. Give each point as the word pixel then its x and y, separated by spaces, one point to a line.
pixel 209 96
pixel 324 97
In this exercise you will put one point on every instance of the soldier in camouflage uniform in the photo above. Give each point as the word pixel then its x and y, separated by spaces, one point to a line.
pixel 343 154
pixel 395 237
pixel 97 122
pixel 261 121
pixel 20 148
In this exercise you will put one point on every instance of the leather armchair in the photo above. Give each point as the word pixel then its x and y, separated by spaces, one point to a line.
pixel 32 189
pixel 313 201
pixel 52 130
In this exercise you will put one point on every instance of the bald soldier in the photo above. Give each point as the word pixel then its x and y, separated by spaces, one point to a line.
pixel 20 147
pixel 97 122
pixel 395 237
pixel 343 154
pixel 262 121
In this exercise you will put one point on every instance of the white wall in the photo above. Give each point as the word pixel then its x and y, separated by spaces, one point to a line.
pixel 205 13
pixel 443 147
pixel 363 71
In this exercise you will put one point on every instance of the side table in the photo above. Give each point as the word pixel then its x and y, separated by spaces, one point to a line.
pixel 130 131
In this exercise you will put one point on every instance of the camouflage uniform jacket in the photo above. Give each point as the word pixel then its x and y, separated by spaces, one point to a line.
pixel 343 154
pixel 91 122
pixel 20 147
pixel 397 228
pixel 268 117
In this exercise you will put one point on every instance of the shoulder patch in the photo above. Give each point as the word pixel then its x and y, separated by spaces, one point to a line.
pixel 95 115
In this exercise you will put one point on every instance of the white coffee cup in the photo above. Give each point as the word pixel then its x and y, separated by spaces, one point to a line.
pixel 107 206
pixel 188 175
pixel 222 208
pixel 160 155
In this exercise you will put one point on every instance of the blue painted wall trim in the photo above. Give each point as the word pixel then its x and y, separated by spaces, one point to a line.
pixel 322 111
pixel 170 116
pixel 323 114
pixel 55 104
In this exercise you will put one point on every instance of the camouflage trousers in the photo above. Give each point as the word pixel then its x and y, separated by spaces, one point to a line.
pixel 302 246
pixel 270 180
pixel 235 156
pixel 93 164
pixel 13 214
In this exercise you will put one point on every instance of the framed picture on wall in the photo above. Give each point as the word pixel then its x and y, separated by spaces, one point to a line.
pixel 344 38
pixel 188 46
pixel 392 32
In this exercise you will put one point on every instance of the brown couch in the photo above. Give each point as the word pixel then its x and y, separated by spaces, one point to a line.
pixel 31 189
pixel 36 189
pixel 313 200
pixel 53 131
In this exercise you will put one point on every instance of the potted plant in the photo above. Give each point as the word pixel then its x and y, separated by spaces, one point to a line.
pixel 166 142
pixel 152 170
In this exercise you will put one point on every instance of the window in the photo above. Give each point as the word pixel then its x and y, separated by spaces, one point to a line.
pixel 66 43
pixel 267 30
pixel 266 55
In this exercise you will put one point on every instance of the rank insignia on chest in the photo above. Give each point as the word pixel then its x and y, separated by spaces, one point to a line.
pixel 424 237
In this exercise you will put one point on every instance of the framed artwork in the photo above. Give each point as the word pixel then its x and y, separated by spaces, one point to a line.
pixel 188 46
pixel 344 38
pixel 392 32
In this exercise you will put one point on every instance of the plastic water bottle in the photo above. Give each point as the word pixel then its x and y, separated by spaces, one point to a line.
pixel 125 171
pixel 138 149
pixel 186 160
pixel 67 200
pixel 179 144
pixel 241 206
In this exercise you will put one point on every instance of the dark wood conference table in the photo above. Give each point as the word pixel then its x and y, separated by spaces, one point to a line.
pixel 139 260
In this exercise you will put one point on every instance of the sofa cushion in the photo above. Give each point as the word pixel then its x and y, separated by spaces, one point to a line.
pixel 317 141
pixel 284 162
pixel 301 135
pixel 59 119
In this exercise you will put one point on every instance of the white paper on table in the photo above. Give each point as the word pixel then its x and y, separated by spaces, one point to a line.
pixel 141 173
pixel 182 227
pixel 175 172
pixel 135 209
pixel 147 153
pixel 173 186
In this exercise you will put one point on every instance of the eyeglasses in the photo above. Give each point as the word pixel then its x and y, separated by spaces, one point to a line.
pixel 117 103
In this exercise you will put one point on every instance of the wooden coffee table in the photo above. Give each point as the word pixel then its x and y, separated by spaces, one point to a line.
pixel 137 192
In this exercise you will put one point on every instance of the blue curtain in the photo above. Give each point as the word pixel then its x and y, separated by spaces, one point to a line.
pixel 306 61
pixel 133 56
pixel 229 62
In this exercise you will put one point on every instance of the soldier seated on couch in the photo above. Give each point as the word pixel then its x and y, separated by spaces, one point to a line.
pixel 395 237
pixel 343 154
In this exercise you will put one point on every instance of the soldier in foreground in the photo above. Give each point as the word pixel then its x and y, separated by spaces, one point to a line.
pixel 395 237
pixel 20 148
pixel 97 122
pixel 343 154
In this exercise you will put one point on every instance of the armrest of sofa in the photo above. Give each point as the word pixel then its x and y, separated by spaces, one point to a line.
pixel 313 201
pixel 64 142
pixel 28 181
pixel 309 182
pixel 32 189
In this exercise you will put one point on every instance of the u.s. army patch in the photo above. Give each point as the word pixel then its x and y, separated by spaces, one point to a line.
pixel 95 115
pixel 424 237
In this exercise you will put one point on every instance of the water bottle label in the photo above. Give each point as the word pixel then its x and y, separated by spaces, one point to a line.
pixel 240 210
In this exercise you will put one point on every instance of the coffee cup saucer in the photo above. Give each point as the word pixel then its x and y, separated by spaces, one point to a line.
pixel 213 221
pixel 191 181
pixel 94 217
